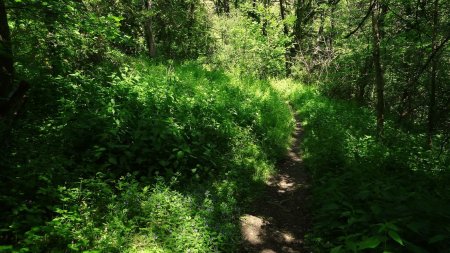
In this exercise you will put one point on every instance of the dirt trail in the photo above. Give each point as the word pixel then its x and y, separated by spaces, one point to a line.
pixel 279 220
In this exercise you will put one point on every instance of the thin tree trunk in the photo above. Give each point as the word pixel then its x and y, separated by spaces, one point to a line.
pixel 379 76
pixel 226 6
pixel 264 23
pixel 252 13
pixel 299 16
pixel 332 34
pixel 148 30
pixel 363 80
pixel 434 66
pixel 286 33
pixel 217 5
pixel 223 6
pixel 6 57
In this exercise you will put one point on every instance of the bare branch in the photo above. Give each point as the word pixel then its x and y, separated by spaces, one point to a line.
pixel 362 21
pixel 430 58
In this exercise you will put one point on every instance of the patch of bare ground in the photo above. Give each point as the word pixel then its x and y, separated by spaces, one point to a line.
pixel 279 220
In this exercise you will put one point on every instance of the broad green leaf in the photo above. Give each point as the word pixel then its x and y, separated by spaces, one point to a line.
pixel 369 243
pixel 394 235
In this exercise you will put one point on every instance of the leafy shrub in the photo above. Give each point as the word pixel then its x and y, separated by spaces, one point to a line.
pixel 248 46
pixel 370 195
pixel 80 136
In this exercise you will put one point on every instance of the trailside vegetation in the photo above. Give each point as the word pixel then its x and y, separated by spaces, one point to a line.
pixel 150 125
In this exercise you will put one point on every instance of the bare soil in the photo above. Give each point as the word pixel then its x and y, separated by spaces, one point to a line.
pixel 279 220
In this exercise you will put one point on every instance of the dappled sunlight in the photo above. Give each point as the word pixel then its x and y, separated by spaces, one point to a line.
pixel 252 229
pixel 195 126
pixel 279 219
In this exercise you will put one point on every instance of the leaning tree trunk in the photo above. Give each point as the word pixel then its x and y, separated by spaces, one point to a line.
pixel 6 59
pixel 148 30
pixel 379 76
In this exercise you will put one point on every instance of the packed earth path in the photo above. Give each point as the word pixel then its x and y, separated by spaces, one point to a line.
pixel 279 219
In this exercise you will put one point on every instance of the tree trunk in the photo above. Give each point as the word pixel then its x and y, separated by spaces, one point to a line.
pixel 6 57
pixel 333 4
pixel 264 18
pixel 252 13
pixel 299 16
pixel 286 33
pixel 148 30
pixel 363 79
pixel 434 66
pixel 226 6
pixel 379 76
pixel 222 6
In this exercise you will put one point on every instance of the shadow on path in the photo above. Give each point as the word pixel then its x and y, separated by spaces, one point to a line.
pixel 279 219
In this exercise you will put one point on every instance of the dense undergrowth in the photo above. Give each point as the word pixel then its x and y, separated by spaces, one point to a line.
pixel 116 153
pixel 390 196
pixel 153 157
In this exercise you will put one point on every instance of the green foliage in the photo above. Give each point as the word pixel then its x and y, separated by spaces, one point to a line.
pixel 81 134
pixel 124 216
pixel 114 153
pixel 59 36
pixel 348 73
pixel 250 47
pixel 387 197
pixel 182 28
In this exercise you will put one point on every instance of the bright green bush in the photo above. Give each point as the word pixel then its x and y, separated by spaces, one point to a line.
pixel 81 135
pixel 250 47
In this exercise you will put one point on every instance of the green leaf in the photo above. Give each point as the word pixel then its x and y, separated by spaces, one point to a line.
pixel 4 248
pixel 369 243
pixel 180 154
pixel 394 235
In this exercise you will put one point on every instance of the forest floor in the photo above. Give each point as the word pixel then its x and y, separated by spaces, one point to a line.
pixel 280 218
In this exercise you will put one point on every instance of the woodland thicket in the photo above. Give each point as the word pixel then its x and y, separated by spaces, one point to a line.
pixel 150 125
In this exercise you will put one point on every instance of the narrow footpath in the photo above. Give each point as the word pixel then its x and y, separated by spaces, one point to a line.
pixel 279 220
